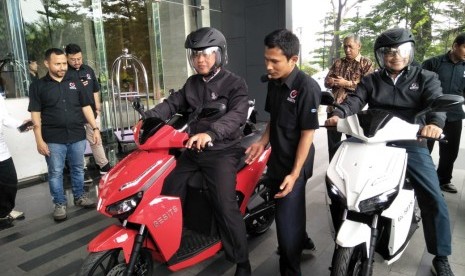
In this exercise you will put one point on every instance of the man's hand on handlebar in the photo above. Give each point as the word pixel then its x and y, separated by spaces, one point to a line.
pixel 199 142
pixel 431 131
pixel 332 121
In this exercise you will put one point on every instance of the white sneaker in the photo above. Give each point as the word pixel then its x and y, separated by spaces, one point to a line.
pixel 17 214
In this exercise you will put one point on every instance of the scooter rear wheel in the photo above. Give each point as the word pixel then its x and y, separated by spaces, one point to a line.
pixel 111 263
pixel 347 261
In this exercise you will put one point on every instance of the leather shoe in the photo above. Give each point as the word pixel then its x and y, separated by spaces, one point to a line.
pixel 243 269
pixel 6 222
pixel 449 188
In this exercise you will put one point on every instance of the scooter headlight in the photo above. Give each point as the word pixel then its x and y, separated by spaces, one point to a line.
pixel 123 208
pixel 334 193
pixel 382 201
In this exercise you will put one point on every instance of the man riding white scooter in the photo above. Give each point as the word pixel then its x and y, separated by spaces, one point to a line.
pixel 405 90
pixel 215 142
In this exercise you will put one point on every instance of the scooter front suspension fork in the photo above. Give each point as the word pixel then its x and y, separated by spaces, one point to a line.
pixel 138 241
pixel 368 268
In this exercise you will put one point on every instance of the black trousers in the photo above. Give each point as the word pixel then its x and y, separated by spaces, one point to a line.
pixel 8 186
pixel 291 219
pixel 449 151
pixel 219 170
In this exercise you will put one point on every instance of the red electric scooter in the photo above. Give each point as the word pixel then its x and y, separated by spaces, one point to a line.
pixel 154 227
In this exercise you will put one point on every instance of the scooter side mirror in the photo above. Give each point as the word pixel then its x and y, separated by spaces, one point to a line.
pixel 445 102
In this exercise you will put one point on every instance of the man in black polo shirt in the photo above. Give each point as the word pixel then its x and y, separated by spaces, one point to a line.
pixel 59 108
pixel 450 68
pixel 86 76
pixel 292 101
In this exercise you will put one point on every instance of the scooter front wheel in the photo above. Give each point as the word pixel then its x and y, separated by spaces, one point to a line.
pixel 347 261
pixel 111 263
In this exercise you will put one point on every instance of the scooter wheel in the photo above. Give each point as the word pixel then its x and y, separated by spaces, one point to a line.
pixel 348 261
pixel 111 263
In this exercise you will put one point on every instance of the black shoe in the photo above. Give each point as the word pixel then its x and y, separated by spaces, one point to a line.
pixel 441 267
pixel 243 269
pixel 6 222
pixel 87 178
pixel 309 246
pixel 449 188
pixel 105 169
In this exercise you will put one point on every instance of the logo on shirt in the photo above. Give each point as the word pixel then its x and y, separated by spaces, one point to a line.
pixel 292 96
pixel 214 96
pixel 414 86
pixel 72 86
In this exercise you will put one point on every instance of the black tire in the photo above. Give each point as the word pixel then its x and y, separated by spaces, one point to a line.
pixel 261 224
pixel 111 263
pixel 348 261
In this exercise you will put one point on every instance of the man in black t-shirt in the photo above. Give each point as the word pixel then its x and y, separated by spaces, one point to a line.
pixel 292 101
pixel 59 108
pixel 86 75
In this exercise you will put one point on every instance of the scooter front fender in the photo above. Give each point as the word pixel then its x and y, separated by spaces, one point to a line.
pixel 352 233
pixel 115 236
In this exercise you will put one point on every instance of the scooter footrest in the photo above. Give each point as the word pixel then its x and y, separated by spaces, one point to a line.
pixel 192 243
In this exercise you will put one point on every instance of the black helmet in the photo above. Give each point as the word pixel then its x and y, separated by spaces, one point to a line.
pixel 205 38
pixel 397 37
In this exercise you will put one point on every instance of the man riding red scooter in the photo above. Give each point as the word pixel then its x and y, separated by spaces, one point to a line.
pixel 207 53
pixel 145 190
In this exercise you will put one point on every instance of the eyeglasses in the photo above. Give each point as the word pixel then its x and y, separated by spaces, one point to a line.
pixel 402 50
pixel 207 52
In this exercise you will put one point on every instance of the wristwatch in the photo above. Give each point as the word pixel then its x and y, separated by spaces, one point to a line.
pixel 95 128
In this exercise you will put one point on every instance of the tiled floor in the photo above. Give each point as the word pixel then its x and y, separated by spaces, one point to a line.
pixel 40 246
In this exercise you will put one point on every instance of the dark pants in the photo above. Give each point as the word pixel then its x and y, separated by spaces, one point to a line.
pixel 8 186
pixel 219 170
pixel 448 151
pixel 434 212
pixel 333 138
pixel 291 220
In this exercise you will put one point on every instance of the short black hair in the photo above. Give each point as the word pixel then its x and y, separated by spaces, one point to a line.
pixel 285 40
pixel 72 49
pixel 460 39
pixel 51 51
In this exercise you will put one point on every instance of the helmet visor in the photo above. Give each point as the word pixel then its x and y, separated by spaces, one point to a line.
pixel 404 50
pixel 194 55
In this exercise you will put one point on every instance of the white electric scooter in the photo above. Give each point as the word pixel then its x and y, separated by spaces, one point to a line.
pixel 371 203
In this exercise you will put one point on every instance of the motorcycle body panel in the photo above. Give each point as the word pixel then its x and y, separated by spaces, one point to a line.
pixel 162 217
pixel 249 176
pixel 400 214
pixel 116 236
pixel 353 233
pixel 138 171
pixel 357 172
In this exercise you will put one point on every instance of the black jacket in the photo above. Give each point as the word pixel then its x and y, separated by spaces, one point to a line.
pixel 413 92
pixel 224 87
